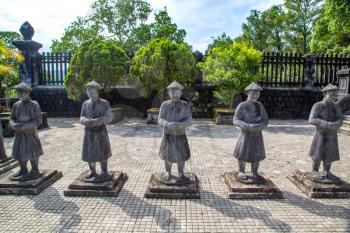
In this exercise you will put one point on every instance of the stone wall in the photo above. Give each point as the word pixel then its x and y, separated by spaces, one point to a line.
pixel 289 103
pixel 283 103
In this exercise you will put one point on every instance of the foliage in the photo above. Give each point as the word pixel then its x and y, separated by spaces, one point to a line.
pixel 9 59
pixel 231 68
pixel 74 35
pixel 96 59
pixel 331 33
pixel 265 30
pixel 301 16
pixel 123 21
pixel 160 62
pixel 9 36
pixel 223 40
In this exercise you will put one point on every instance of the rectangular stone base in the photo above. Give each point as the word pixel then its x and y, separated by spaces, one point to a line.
pixel 318 190
pixel 239 190
pixel 8 165
pixel 30 187
pixel 156 189
pixel 108 188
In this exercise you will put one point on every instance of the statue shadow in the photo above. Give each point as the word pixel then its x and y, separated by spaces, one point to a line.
pixel 234 209
pixel 133 206
pixel 315 207
pixel 52 202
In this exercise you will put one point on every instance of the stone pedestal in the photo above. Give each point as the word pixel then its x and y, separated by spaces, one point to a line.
pixel 109 188
pixel 157 189
pixel 315 189
pixel 223 116
pixel 238 190
pixel 30 187
pixel 152 116
pixel 117 115
pixel 8 165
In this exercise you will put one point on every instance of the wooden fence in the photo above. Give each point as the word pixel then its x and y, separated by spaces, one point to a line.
pixel 279 69
pixel 54 67
pixel 295 70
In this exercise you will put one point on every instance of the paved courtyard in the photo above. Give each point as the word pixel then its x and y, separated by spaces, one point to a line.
pixel 135 146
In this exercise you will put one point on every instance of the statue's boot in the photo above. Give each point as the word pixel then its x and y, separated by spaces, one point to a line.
pixel 180 169
pixel 22 171
pixel 256 178
pixel 315 167
pixel 167 175
pixel 327 173
pixel 92 172
pixel 34 173
pixel 241 172
pixel 104 176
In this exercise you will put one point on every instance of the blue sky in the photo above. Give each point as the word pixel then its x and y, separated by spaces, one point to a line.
pixel 202 19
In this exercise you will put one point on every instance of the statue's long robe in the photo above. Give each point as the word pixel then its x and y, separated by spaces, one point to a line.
pixel 325 142
pixel 96 146
pixel 27 144
pixel 250 144
pixel 174 147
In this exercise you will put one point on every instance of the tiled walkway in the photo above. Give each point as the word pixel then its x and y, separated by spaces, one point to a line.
pixel 135 146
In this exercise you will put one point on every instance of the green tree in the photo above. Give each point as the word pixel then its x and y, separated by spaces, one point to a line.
pixel 223 40
pixel 74 35
pixel 331 33
pixel 163 27
pixel 160 62
pixel 231 69
pixel 9 61
pixel 8 37
pixel 96 59
pixel 265 30
pixel 301 16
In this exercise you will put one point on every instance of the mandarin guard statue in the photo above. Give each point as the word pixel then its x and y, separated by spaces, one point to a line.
pixel 174 116
pixel 25 117
pixel 327 117
pixel 95 114
pixel 251 117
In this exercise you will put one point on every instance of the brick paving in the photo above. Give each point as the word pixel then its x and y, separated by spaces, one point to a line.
pixel 135 146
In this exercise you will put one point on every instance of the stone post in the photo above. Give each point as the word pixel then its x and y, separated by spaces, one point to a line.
pixel 30 70
pixel 309 70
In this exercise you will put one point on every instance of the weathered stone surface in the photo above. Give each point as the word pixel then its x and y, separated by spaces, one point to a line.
pixel 157 189
pixel 108 188
pixel 8 165
pixel 314 189
pixel 152 116
pixel 30 187
pixel 239 190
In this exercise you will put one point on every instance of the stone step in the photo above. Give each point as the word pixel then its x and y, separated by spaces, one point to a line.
pixel 347 118
pixel 345 130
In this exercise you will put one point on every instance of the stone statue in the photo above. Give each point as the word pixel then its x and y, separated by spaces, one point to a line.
pixel 327 117
pixel 25 117
pixel 95 114
pixel 251 117
pixel 3 156
pixel 174 116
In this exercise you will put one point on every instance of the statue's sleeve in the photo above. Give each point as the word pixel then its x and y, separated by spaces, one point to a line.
pixel 188 120
pixel 35 118
pixel 83 113
pixel 314 118
pixel 339 120
pixel 107 116
pixel 161 117
pixel 13 116
pixel 264 117
pixel 238 118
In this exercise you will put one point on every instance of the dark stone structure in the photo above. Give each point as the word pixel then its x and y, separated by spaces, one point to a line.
pixel 289 103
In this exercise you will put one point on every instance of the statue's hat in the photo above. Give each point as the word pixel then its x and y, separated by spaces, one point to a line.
pixel 330 87
pixel 23 87
pixel 175 85
pixel 253 87
pixel 94 84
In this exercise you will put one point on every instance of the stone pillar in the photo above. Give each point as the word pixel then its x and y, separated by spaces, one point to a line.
pixel 30 70
pixel 343 80
pixel 309 70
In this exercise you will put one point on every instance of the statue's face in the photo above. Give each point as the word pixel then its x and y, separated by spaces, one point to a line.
pixel 331 96
pixel 253 95
pixel 175 94
pixel 22 95
pixel 92 93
